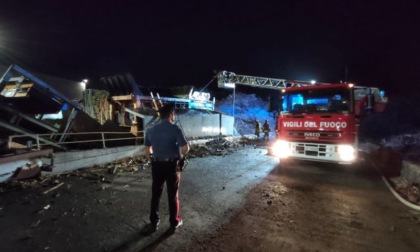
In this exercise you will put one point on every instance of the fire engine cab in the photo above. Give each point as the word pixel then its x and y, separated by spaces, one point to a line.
pixel 317 121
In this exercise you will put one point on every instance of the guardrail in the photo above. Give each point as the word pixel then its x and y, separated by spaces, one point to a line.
pixel 45 139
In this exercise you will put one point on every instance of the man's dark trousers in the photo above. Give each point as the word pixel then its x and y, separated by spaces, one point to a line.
pixel 161 172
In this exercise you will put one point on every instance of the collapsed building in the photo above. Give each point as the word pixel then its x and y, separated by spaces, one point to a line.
pixel 44 115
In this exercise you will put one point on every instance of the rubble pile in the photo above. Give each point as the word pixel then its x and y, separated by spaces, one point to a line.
pixel 103 173
pixel 216 147
pixel 96 174
pixel 48 182
pixel 407 189
pixel 100 172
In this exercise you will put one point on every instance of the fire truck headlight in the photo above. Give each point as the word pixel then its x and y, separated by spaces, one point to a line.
pixel 346 152
pixel 281 149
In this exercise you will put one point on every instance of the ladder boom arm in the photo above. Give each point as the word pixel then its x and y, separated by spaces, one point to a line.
pixel 225 78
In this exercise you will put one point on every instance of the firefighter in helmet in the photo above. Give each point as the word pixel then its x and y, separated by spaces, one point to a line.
pixel 266 129
pixel 257 128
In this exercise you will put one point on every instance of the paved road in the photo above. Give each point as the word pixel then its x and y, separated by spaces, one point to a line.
pixel 85 214
pixel 310 206
pixel 237 202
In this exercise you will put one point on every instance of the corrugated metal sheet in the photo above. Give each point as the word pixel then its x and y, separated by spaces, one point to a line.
pixel 121 84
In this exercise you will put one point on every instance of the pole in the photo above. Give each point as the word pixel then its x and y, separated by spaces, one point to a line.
pixel 233 104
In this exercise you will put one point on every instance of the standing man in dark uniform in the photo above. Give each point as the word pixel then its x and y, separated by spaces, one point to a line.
pixel 165 145
pixel 266 129
pixel 257 128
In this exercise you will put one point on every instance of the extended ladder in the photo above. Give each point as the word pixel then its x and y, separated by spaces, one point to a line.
pixel 228 79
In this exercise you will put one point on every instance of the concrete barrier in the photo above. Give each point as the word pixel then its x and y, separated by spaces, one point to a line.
pixel 73 160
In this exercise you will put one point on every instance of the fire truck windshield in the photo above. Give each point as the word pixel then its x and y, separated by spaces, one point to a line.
pixel 325 100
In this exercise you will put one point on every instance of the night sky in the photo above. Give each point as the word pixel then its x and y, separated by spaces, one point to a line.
pixel 174 43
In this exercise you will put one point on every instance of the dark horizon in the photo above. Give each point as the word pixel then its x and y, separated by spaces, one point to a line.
pixel 177 44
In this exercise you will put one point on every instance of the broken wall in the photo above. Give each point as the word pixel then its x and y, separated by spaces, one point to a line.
pixel 198 126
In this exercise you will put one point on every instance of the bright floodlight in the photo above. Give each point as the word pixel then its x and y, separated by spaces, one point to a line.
pixel 230 84
pixel 313 82
pixel 83 84
pixel 346 152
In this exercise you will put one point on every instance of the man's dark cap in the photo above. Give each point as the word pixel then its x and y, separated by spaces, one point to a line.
pixel 167 109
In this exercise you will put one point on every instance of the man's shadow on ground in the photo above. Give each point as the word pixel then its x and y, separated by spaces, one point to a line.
pixel 135 242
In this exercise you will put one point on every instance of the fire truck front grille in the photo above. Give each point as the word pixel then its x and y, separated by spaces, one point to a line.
pixel 311 149
pixel 314 135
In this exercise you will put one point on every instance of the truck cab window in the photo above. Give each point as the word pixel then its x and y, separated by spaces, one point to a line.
pixel 316 101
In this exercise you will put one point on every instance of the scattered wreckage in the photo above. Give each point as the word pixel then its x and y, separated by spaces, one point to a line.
pixel 42 112
pixel 103 173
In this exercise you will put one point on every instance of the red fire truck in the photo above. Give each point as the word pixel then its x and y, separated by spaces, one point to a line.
pixel 317 121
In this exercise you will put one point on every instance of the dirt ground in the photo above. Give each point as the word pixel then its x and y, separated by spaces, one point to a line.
pixel 230 201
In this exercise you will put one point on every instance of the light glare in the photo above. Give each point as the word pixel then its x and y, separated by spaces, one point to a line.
pixel 230 84
pixel 346 152
pixel 281 149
